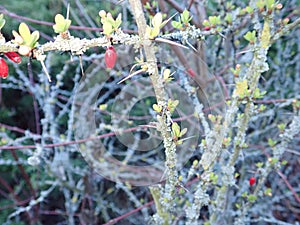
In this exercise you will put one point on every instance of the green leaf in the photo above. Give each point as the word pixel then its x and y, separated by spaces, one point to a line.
pixel 268 192
pixel 271 142
pixel 228 18
pixel 260 4
pixel 259 164
pixel 258 94
pixel 34 38
pixel 59 19
pixel 249 9
pixel 176 129
pixel 107 28
pixel 61 24
pixel 250 36
pixel 206 23
pixel 183 132
pixel 252 198
pixel 103 107
pixel 110 20
pixel 172 105
pixel 154 32
pixel 262 108
pixel 214 20
pixel 185 16
pixel 157 20
pixel 67 24
pixel 176 24
pixel 270 4
pixel 57 29
pixel 273 160
pixel 25 32
pixel 281 126
pixel 157 108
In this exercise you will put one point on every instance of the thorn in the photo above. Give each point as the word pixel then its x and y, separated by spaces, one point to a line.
pixel 131 75
pixel 68 11
pixel 190 45
pixel 170 42
pixel 81 65
pixel 46 71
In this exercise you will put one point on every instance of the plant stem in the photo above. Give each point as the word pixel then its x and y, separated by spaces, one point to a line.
pixel 163 122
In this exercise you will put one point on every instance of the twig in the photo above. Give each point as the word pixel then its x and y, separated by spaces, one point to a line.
pixel 284 178
pixel 113 221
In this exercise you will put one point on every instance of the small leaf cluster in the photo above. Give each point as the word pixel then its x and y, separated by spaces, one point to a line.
pixel 109 23
pixel 269 5
pixel 247 10
pixel 183 20
pixel 258 94
pixel 250 36
pixel 236 71
pixel 178 133
pixel 167 76
pixel 61 24
pixel 25 39
pixel 212 22
pixel 172 105
pixel 156 24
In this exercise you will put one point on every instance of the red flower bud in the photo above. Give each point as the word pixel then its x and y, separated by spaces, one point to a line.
pixel 3 68
pixel 13 56
pixel 110 57
pixel 252 181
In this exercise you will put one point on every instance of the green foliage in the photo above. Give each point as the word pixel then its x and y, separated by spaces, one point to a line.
pixel 250 36
pixel 61 24
pixel 109 23
pixel 214 20
pixel 156 24
pixel 2 21
pixel 183 20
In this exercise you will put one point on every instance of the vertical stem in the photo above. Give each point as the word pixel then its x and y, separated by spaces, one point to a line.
pixel 162 97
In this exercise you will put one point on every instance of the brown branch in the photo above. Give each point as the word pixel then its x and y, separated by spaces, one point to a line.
pixel 113 221
pixel 11 128
pixel 284 178
pixel 24 173
pixel 15 197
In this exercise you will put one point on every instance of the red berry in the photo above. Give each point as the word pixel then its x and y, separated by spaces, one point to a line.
pixel 252 181
pixel 110 57
pixel 3 68
pixel 207 28
pixel 191 72
pixel 13 56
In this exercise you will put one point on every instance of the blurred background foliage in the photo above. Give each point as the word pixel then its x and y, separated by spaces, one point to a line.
pixel 100 200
